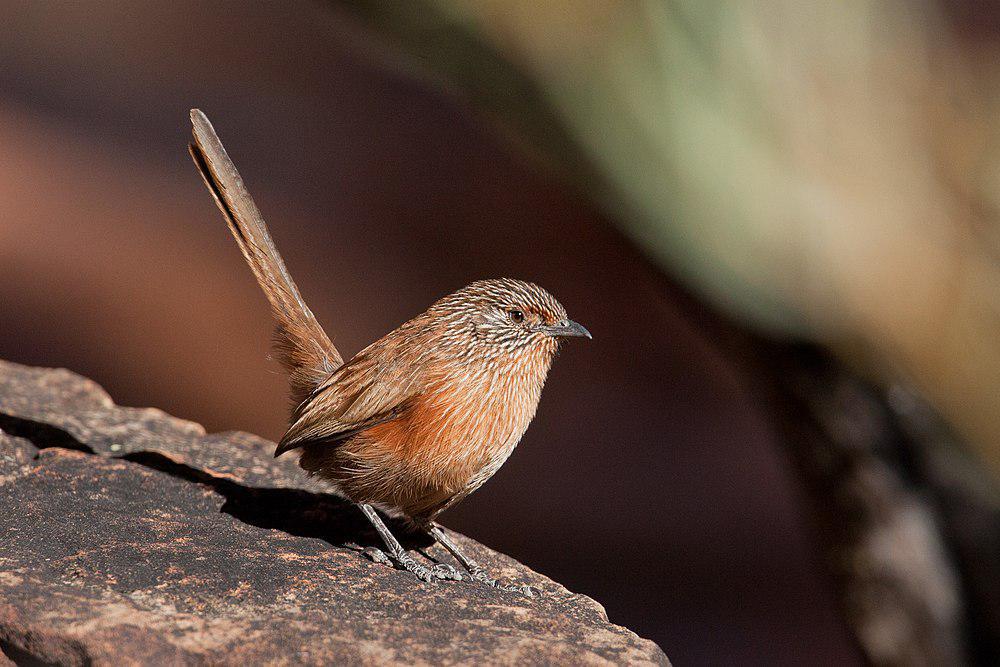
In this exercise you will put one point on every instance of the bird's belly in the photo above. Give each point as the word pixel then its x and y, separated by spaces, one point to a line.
pixel 457 449
pixel 442 449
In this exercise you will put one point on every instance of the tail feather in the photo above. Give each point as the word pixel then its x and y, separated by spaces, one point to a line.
pixel 300 343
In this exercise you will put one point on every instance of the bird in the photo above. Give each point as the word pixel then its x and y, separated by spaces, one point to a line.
pixel 418 419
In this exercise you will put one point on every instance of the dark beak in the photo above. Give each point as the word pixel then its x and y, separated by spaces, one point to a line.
pixel 567 329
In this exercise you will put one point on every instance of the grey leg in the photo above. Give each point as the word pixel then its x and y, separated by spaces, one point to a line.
pixel 474 568
pixel 397 551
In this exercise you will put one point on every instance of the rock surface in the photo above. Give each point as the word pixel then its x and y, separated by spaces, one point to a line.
pixel 130 535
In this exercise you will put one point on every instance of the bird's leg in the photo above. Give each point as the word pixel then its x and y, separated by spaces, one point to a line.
pixel 475 569
pixel 401 555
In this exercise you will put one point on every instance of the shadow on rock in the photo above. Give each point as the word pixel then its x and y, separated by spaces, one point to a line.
pixel 294 511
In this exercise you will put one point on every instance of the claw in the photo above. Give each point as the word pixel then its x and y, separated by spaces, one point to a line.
pixel 440 571
pixel 524 589
pixel 445 571
pixel 377 556
pixel 423 573
pixel 480 575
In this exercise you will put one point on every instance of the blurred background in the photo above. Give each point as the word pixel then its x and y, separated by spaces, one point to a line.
pixel 781 222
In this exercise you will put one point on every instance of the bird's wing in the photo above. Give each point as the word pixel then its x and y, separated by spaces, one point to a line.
pixel 371 389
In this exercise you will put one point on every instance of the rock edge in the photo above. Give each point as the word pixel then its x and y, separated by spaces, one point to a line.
pixel 133 534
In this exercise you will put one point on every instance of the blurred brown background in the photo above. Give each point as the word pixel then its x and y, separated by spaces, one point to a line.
pixel 653 478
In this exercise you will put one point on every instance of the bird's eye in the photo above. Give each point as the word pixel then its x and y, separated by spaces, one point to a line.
pixel 516 316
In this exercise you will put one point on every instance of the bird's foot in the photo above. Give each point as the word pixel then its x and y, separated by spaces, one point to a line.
pixel 439 571
pixel 482 576
pixel 423 572
pixel 378 556
pixel 445 571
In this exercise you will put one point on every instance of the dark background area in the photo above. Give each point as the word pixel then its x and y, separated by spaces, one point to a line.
pixel 651 478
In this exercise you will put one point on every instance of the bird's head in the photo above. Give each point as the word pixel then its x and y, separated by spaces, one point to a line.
pixel 504 317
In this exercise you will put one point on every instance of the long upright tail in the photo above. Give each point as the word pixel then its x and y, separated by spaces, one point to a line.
pixel 302 346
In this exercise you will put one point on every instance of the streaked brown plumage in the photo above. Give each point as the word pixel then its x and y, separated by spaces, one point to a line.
pixel 421 417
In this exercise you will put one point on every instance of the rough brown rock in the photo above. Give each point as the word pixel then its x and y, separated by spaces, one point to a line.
pixel 130 534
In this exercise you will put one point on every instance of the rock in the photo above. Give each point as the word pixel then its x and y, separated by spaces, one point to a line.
pixel 132 535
